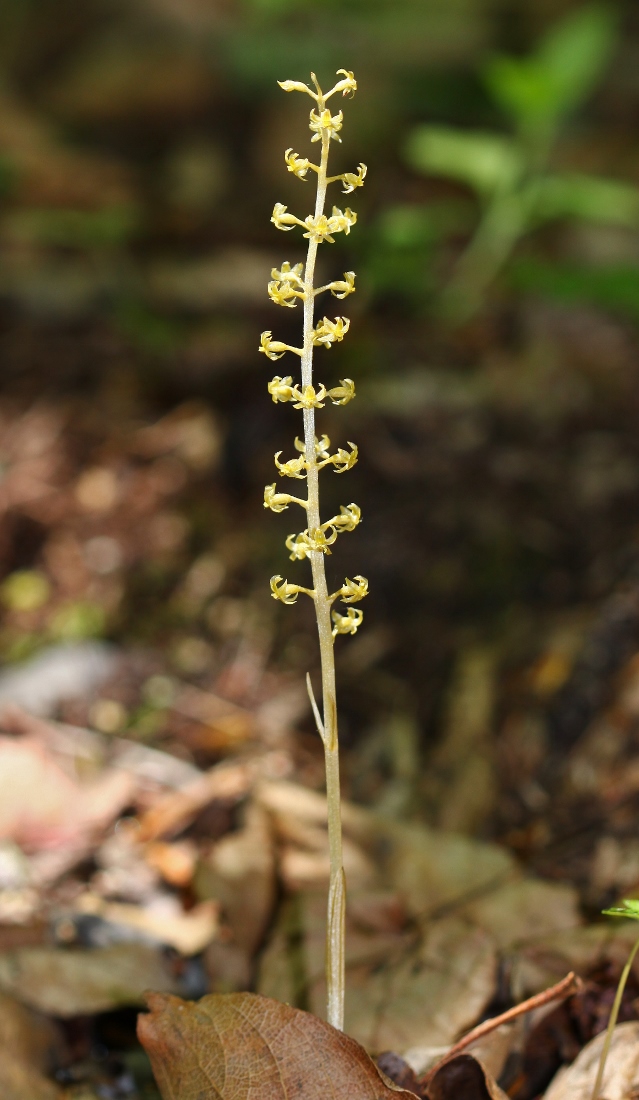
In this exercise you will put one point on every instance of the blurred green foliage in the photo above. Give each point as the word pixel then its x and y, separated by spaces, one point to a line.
pixel 517 188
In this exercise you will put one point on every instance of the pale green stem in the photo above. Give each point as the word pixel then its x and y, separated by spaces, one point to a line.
pixel 612 1021
pixel 337 889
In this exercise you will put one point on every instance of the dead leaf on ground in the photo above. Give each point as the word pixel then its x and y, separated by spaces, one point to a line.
pixel 41 807
pixel 464 1077
pixel 27 1044
pixel 172 813
pixel 403 989
pixel 19 1081
pixel 239 872
pixel 243 1045
pixel 78 981
pixel 621 1076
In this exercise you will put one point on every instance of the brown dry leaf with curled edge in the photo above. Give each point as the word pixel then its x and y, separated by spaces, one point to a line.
pixel 243 1046
pixel 464 1078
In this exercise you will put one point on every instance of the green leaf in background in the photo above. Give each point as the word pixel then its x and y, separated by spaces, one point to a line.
pixel 588 198
pixel 485 161
pixel 537 91
pixel 110 227
pixel 611 288
pixel 630 909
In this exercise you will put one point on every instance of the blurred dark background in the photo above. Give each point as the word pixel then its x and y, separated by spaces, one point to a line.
pixel 494 344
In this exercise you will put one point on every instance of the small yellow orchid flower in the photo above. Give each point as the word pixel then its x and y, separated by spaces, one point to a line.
pixel 281 389
pixel 347 86
pixel 288 274
pixel 279 502
pixel 327 122
pixel 343 287
pixel 351 180
pixel 348 519
pixel 274 349
pixel 342 394
pixel 297 86
pixel 299 166
pixel 341 222
pixel 309 398
pixel 295 467
pixel 329 332
pixel 284 294
pixel 282 220
pixel 348 623
pixel 352 591
pixel 342 461
pixel 288 593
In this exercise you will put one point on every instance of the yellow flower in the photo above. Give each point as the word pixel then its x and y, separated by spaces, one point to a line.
pixel 318 229
pixel 281 389
pixel 306 542
pixel 328 332
pixel 342 394
pixel 341 222
pixel 325 121
pixel 348 519
pixel 352 591
pixel 342 461
pixel 340 289
pixel 309 398
pixel 278 502
pixel 282 293
pixel 295 467
pixel 274 349
pixel 287 593
pixel 299 166
pixel 348 623
pixel 351 180
pixel 288 274
pixel 297 86
pixel 282 220
pixel 347 86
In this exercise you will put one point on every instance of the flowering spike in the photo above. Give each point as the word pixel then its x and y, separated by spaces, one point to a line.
pixel 288 284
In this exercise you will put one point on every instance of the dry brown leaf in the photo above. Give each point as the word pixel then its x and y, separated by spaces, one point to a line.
pixel 525 909
pixel 464 1077
pixel 543 961
pixel 41 807
pixel 19 1081
pixel 172 813
pixel 189 933
pixel 27 1042
pixel 79 982
pixel 240 873
pixel 401 991
pixel 621 1076
pixel 241 1046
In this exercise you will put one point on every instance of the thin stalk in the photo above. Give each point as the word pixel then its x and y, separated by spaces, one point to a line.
pixel 612 1021
pixel 337 887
